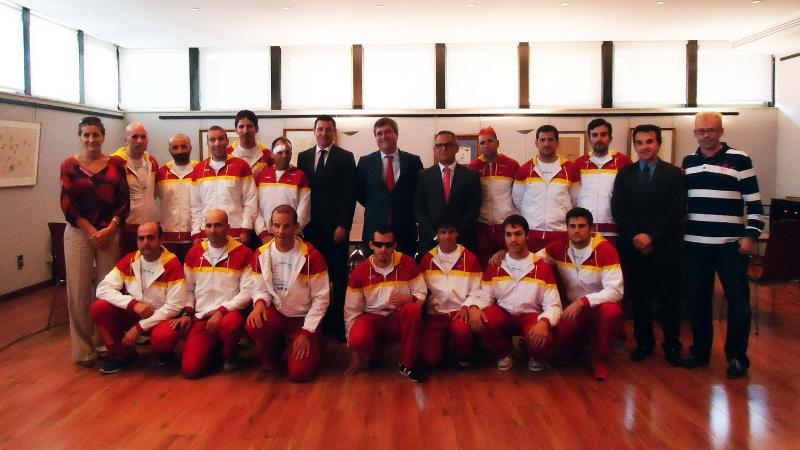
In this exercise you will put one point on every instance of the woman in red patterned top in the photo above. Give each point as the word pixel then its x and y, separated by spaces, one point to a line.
pixel 94 198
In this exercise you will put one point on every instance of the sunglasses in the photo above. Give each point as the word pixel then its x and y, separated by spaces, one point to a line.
pixel 383 244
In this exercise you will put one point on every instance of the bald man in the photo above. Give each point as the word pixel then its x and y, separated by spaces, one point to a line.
pixel 173 186
pixel 141 169
pixel 141 293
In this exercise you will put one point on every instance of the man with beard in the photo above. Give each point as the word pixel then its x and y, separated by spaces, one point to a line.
pixel 174 188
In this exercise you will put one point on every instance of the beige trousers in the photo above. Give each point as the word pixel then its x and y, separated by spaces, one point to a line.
pixel 86 266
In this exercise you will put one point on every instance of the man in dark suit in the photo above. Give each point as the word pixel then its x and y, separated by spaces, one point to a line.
pixel 331 171
pixel 387 181
pixel 447 188
pixel 648 204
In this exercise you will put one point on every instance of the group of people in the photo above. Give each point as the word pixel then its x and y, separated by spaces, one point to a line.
pixel 244 243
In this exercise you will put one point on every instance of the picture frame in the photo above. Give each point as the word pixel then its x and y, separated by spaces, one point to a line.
pixel 203 140
pixel 301 139
pixel 572 144
pixel 467 148
pixel 19 153
pixel 667 152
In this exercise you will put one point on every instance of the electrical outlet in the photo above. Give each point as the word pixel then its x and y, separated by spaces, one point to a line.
pixel 20 261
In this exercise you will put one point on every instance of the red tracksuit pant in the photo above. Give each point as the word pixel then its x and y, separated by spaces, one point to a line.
pixel 201 344
pixel 275 339
pixel 436 328
pixel 370 331
pixel 538 240
pixel 491 238
pixel 501 326
pixel 112 324
pixel 603 321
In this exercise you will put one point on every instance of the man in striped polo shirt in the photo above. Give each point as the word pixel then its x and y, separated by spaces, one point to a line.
pixel 720 182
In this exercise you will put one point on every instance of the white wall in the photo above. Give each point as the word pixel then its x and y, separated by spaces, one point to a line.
pixel 26 210
pixel 787 99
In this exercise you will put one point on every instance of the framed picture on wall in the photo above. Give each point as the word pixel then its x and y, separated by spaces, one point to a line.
pixel 467 148
pixel 667 152
pixel 572 144
pixel 19 153
pixel 301 139
pixel 232 136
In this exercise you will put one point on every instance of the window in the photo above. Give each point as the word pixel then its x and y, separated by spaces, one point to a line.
pixel 156 80
pixel 565 74
pixel 649 73
pixel 100 73
pixel 235 78
pixel 54 61
pixel 726 76
pixel 482 76
pixel 12 73
pixel 400 76
pixel 317 77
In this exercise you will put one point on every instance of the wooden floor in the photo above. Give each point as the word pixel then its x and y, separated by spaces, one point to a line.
pixel 47 402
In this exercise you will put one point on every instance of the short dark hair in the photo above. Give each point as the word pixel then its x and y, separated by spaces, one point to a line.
pixel 284 209
pixel 517 221
pixel 447 132
pixel 447 222
pixel 580 212
pixel 246 114
pixel 325 118
pixel 599 123
pixel 280 139
pixel 384 121
pixel 646 128
pixel 217 128
pixel 546 129
pixel 91 121
pixel 159 230
pixel 382 229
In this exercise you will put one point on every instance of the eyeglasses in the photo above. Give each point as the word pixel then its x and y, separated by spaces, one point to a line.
pixel 445 145
pixel 383 244
pixel 706 130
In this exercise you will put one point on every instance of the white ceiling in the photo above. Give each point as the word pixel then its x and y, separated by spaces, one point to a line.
pixel 241 23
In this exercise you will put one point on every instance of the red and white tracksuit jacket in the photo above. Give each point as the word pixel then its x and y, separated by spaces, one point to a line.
pixel 222 287
pixel 597 280
pixel 545 204
pixel 142 192
pixel 368 291
pixel 175 194
pixel 448 289
pixel 165 293
pixel 308 294
pixel 497 181
pixel 261 163
pixel 597 185
pixel 232 190
pixel 535 292
pixel 292 189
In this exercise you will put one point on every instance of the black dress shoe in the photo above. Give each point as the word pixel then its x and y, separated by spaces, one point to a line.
pixel 641 353
pixel 736 369
pixel 694 361
pixel 673 357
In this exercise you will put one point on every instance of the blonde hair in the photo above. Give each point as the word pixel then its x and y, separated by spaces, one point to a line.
pixel 708 114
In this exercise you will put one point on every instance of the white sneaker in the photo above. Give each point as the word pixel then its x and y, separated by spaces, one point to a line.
pixel 463 364
pixel 535 366
pixel 505 363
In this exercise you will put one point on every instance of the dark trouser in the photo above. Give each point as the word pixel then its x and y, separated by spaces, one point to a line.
pixel 731 266
pixel 651 278
pixel 335 255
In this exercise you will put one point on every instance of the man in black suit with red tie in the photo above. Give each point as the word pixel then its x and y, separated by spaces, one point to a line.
pixel 447 189
pixel 387 180
pixel 331 172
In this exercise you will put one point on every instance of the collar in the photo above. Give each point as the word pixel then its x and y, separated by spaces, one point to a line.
pixel 328 149
pixel 395 154
pixel 652 164
pixel 451 166
pixel 722 151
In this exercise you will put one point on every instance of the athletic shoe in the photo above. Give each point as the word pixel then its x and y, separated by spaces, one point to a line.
pixel 535 366
pixel 164 360
pixel 736 369
pixel 505 363
pixel 410 373
pixel 463 364
pixel 115 365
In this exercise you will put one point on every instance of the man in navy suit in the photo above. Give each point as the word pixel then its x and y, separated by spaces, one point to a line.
pixel 387 180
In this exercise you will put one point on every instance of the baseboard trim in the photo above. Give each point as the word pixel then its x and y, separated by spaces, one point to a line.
pixel 26 290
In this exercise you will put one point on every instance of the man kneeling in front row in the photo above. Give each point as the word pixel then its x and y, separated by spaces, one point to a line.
pixel 290 291
pixel 143 292
pixel 592 278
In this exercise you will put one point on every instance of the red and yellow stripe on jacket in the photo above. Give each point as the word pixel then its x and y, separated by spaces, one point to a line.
pixel 368 291
pixel 261 163
pixel 220 287
pixel 175 194
pixel 232 190
pixel 497 180
pixel 142 192
pixel 308 294
pixel 534 292
pixel 448 289
pixel 122 287
pixel 545 204
pixel 598 280
pixel 292 189
pixel 597 185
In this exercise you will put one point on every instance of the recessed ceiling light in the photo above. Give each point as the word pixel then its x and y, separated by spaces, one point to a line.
pixel 195 9
pixel 756 1
pixel 472 4
pixel 660 2
pixel 565 4
pixel 379 6
pixel 286 8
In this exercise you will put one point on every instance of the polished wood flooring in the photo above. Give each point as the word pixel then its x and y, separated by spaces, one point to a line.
pixel 46 402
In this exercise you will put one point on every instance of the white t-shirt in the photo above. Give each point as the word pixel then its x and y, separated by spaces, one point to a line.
pixel 548 170
pixel 579 255
pixel 216 253
pixel 446 261
pixel 279 174
pixel 383 270
pixel 149 269
pixel 282 266
pixel 519 267
pixel 182 171
pixel 600 160
pixel 251 155
pixel 216 165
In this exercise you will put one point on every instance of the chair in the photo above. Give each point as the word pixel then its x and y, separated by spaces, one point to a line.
pixel 780 263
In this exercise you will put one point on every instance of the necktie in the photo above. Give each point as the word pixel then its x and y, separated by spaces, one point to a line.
pixel 320 162
pixel 645 176
pixel 446 184
pixel 389 173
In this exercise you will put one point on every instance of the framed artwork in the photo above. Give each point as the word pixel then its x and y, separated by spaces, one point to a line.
pixel 467 148
pixel 667 152
pixel 232 136
pixel 572 144
pixel 19 153
pixel 301 139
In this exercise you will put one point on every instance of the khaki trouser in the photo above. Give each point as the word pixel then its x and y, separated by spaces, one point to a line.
pixel 86 266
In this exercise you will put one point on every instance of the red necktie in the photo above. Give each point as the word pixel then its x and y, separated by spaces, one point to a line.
pixel 389 173
pixel 446 184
